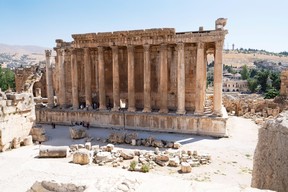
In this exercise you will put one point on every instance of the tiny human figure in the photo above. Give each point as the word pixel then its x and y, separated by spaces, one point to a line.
pixel 88 125
pixel 53 125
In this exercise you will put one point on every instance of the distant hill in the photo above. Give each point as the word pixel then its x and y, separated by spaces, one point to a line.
pixel 29 49
pixel 12 56
pixel 239 58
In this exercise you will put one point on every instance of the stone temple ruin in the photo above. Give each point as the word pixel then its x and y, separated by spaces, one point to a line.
pixel 17 115
pixel 153 79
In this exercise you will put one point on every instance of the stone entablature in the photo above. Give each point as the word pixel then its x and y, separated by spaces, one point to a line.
pixel 141 37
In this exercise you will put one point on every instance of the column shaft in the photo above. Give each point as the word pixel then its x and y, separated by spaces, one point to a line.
pixel 116 90
pixel 131 80
pixel 74 77
pixel 49 83
pixel 180 79
pixel 218 70
pixel 147 79
pixel 62 87
pixel 200 88
pixel 87 78
pixel 102 94
pixel 163 79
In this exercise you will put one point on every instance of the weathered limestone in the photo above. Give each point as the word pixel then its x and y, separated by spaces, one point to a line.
pixel 28 140
pixel 101 65
pixel 74 77
pixel 17 116
pixel 38 134
pixel 147 79
pixel 131 79
pixel 49 83
pixel 77 132
pixel 49 186
pixel 62 85
pixel 181 79
pixel 53 152
pixel 82 157
pixel 200 96
pixel 87 78
pixel 185 167
pixel 218 70
pixel 116 79
pixel 271 155
pixel 163 79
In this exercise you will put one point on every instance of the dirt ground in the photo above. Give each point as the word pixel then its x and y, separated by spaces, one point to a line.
pixel 230 170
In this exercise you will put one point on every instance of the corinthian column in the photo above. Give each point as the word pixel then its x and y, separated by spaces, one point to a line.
pixel 102 94
pixel 116 91
pixel 181 80
pixel 131 83
pixel 163 79
pixel 147 77
pixel 49 83
pixel 87 78
pixel 200 87
pixel 74 76
pixel 62 88
pixel 218 70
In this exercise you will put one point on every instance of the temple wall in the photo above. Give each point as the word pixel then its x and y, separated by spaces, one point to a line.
pixel 215 126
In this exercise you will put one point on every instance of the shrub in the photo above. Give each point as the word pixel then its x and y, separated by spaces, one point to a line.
pixel 133 165
pixel 145 168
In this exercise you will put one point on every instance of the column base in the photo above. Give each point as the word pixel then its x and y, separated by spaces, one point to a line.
pixel 180 112
pixel 218 113
pixel 131 109
pixel 199 113
pixel 163 111
pixel 146 110
pixel 102 108
pixel 115 109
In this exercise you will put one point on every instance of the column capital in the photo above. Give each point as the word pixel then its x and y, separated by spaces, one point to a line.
pixel 146 47
pixel 48 53
pixel 163 47
pixel 100 50
pixel 219 44
pixel 61 52
pixel 130 48
pixel 200 45
pixel 180 46
pixel 114 47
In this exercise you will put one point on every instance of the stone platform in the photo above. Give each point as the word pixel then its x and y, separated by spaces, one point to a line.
pixel 154 121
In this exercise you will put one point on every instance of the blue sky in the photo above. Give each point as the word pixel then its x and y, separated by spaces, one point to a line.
pixel 260 24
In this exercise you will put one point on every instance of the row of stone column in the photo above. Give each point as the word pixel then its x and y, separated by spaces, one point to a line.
pixel 200 79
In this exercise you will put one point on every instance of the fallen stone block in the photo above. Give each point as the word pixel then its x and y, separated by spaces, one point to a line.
pixel 16 142
pixel 28 140
pixel 49 186
pixel 77 133
pixel 82 157
pixel 116 138
pixel 185 167
pixel 53 152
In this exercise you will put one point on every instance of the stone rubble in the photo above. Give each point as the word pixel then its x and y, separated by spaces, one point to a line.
pixel 109 155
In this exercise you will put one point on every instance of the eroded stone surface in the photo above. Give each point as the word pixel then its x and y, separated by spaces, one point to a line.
pixel 271 155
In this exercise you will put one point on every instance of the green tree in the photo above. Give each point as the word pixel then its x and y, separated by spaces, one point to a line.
pixel 7 79
pixel 245 72
pixel 271 93
pixel 276 82
pixel 252 84
pixel 262 77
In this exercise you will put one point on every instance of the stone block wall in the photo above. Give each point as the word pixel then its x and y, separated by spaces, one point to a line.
pixel 17 116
